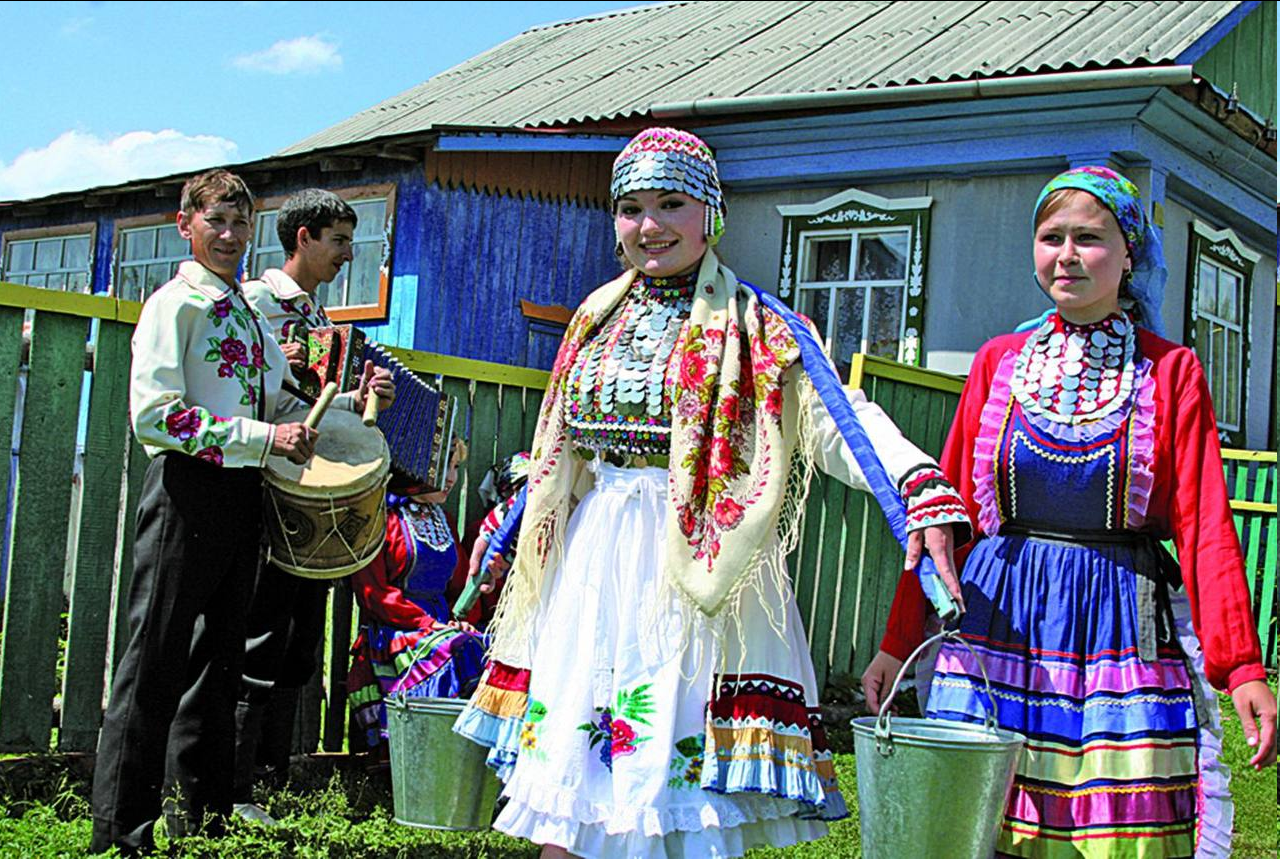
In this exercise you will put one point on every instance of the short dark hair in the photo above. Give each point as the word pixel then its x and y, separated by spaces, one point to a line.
pixel 313 208
pixel 213 187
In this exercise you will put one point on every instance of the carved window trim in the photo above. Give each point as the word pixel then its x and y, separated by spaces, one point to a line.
pixel 854 212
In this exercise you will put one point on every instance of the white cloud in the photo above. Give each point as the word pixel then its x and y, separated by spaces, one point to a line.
pixel 77 160
pixel 303 55
pixel 75 26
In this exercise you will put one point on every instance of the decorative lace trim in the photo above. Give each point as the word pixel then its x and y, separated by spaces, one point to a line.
pixel 995 414
pixel 1142 447
pixel 709 810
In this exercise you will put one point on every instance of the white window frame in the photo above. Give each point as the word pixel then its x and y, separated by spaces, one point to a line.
pixel 117 271
pixel 40 236
pixel 808 240
pixel 858 214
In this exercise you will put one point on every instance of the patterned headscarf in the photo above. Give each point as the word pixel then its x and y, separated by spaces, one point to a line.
pixel 668 159
pixel 1122 199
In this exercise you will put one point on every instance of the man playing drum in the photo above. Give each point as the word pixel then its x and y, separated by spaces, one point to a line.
pixel 204 392
pixel 286 612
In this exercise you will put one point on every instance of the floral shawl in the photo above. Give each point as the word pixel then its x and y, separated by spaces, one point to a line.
pixel 728 477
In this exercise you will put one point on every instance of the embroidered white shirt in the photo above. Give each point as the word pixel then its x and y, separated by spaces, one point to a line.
pixel 206 373
pixel 284 304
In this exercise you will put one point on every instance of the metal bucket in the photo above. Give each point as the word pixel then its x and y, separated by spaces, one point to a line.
pixel 932 787
pixel 438 779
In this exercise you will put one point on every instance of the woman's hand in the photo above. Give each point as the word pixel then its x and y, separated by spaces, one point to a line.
pixel 940 541
pixel 462 625
pixel 498 566
pixel 878 679
pixel 1256 705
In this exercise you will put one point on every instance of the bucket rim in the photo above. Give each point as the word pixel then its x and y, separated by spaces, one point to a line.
pixel 427 704
pixel 901 730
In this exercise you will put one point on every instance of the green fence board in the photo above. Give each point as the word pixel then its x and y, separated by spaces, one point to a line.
pixel 850 590
pixel 462 389
pixel 33 599
pixel 804 558
pixel 137 470
pixel 89 615
pixel 828 563
pixel 10 356
pixel 336 718
pixel 486 415
pixel 510 422
pixel 532 406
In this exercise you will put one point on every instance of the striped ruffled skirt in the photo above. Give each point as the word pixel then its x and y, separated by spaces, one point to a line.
pixel 1113 762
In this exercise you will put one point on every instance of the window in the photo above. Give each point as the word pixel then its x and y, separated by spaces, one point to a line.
pixel 360 289
pixel 1218 321
pixel 146 257
pixel 854 264
pixel 61 258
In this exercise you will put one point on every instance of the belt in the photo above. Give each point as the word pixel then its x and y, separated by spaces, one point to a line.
pixel 1157 571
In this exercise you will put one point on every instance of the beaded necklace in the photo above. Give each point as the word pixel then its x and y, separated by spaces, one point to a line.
pixel 619 396
pixel 428 523
pixel 1075 374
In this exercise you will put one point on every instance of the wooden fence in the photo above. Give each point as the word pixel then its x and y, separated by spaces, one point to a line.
pixel 63 620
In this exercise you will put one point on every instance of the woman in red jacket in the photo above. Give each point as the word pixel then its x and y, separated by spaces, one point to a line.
pixel 1078 446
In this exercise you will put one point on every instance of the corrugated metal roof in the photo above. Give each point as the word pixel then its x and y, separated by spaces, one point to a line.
pixel 617 65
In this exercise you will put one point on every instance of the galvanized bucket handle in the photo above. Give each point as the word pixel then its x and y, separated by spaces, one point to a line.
pixel 884 730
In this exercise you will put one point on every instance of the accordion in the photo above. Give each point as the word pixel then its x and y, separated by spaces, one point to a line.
pixel 420 426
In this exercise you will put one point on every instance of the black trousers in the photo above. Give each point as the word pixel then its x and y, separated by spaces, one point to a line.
pixel 284 625
pixel 168 733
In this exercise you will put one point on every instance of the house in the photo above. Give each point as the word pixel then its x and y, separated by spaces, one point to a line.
pixel 880 162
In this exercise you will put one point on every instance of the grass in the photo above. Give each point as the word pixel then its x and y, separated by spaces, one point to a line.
pixel 347 816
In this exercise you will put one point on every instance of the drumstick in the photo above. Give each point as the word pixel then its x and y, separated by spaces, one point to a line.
pixel 322 405
pixel 370 416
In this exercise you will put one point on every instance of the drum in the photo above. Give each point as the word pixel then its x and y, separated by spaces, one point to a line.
pixel 328 518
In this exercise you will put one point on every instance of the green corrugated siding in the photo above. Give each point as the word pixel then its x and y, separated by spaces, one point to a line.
pixel 1247 57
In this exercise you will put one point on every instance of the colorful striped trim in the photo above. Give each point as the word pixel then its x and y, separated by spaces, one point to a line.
pixel 761 738
pixel 1116 842
pixel 1069 678
pixel 503 692
pixel 495 715
pixel 1108 760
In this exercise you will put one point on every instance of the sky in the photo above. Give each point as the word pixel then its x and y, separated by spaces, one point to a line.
pixel 95 93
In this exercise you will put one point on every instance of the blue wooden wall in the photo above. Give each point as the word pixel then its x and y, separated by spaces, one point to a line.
pixel 464 259
pixel 460 263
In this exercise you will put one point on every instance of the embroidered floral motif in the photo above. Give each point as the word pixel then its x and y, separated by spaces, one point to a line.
pixel 721 404
pixel 612 729
pixel 210 454
pixel 686 763
pixel 236 359
pixel 202 434
pixel 531 730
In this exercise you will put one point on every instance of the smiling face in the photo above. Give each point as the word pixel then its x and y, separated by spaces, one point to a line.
pixel 218 233
pixel 322 258
pixel 1080 256
pixel 661 231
